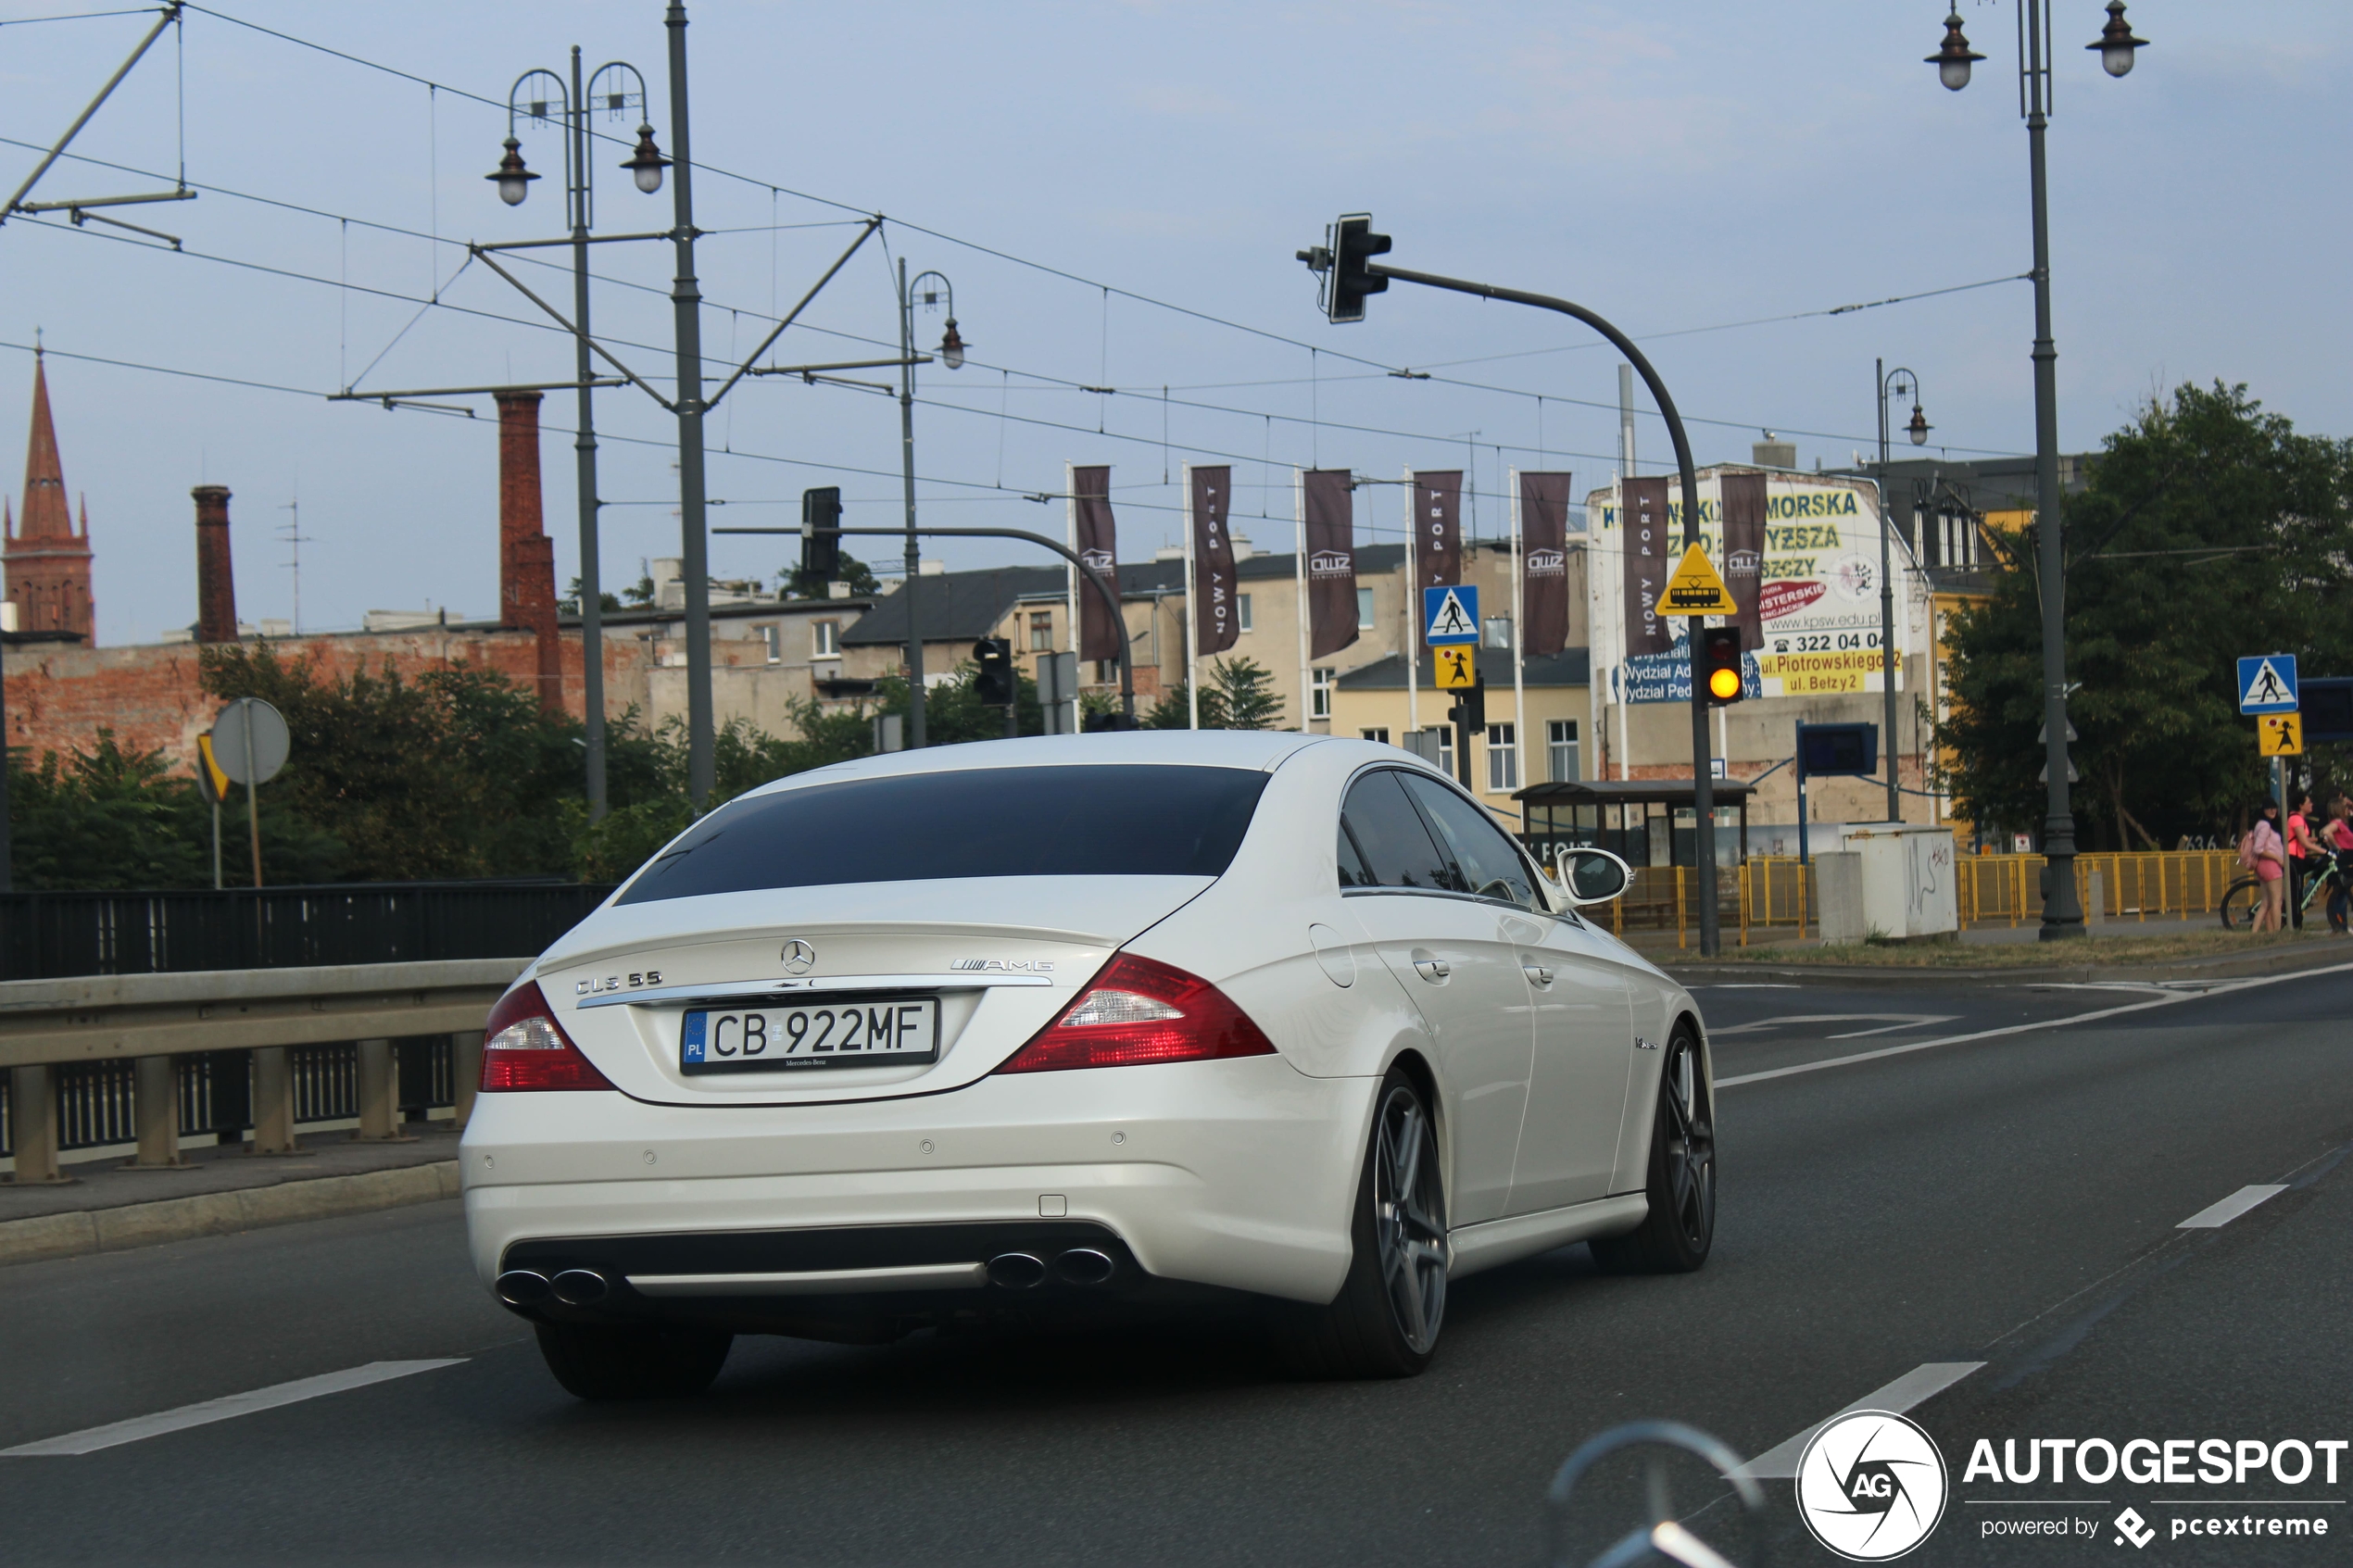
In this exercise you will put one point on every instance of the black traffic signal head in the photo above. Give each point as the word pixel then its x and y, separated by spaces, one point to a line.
pixel 1470 707
pixel 995 685
pixel 1343 260
pixel 820 533
pixel 1718 666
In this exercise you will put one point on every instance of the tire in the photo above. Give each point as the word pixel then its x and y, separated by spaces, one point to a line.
pixel 2241 903
pixel 1680 1231
pixel 605 1362
pixel 1385 1322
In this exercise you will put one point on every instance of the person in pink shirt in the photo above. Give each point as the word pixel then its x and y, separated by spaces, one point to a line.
pixel 2267 852
pixel 2338 836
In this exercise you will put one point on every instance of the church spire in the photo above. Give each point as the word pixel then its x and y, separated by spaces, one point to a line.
pixel 46 515
pixel 48 563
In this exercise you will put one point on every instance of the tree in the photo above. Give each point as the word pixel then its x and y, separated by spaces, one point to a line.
pixel 1245 696
pixel 569 603
pixel 2209 530
pixel 799 584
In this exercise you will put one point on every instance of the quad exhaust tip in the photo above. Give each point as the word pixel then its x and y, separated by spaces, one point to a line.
pixel 523 1287
pixel 578 1288
pixel 1083 1265
pixel 1016 1271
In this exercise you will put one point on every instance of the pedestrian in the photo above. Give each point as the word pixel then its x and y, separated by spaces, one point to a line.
pixel 2338 836
pixel 2305 854
pixel 2262 852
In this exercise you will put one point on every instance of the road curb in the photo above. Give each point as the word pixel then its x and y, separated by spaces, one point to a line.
pixel 217 1213
pixel 2278 961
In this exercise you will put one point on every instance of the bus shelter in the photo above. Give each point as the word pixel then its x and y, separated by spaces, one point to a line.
pixel 1644 821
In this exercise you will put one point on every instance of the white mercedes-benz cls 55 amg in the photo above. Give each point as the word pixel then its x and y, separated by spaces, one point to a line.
pixel 1071 1024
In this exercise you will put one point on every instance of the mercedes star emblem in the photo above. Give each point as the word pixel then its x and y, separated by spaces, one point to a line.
pixel 800 957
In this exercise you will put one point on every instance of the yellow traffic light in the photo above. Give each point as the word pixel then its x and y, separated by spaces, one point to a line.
pixel 1724 684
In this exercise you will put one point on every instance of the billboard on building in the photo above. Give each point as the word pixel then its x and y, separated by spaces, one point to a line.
pixel 1816 573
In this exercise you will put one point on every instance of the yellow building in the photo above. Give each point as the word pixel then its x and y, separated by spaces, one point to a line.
pixel 1533 738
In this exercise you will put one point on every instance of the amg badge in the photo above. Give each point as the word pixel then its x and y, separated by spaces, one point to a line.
pixel 1006 966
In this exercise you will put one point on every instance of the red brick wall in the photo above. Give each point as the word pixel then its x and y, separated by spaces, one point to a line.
pixel 59 696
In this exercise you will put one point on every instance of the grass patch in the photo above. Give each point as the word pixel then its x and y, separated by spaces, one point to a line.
pixel 2027 955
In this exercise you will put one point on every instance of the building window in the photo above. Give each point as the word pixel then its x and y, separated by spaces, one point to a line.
pixel 1106 671
pixel 1363 609
pixel 825 640
pixel 1445 733
pixel 1041 631
pixel 1319 705
pixel 1378 733
pixel 1560 749
pixel 771 639
pixel 1502 759
pixel 1241 610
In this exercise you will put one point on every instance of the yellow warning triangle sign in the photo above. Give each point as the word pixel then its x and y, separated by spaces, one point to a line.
pixel 1696 589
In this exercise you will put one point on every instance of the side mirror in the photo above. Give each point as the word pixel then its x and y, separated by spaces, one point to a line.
pixel 1595 876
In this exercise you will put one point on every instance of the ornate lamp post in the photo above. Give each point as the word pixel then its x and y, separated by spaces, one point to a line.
pixel 2062 912
pixel 616 87
pixel 951 353
pixel 1898 383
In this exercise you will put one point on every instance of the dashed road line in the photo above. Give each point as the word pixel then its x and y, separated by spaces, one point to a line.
pixel 1917 1387
pixel 2216 1215
pixel 115 1434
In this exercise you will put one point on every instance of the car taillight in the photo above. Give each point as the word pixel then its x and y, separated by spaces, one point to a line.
pixel 525 1048
pixel 1138 1010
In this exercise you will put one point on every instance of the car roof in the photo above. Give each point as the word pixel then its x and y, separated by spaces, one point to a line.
pixel 1257 750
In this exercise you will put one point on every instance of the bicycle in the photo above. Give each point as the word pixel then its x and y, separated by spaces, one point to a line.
pixel 2245 896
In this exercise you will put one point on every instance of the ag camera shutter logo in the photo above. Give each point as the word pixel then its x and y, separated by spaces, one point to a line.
pixel 1871 1486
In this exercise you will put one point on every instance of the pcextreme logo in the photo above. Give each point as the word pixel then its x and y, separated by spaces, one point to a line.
pixel 1871 1486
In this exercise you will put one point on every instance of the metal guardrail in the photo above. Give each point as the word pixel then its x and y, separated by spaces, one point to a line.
pixel 164 1056
pixel 50 935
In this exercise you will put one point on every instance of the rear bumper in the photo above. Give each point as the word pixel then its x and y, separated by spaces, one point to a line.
pixel 1233 1173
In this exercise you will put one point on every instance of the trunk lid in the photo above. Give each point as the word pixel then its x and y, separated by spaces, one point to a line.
pixel 1003 955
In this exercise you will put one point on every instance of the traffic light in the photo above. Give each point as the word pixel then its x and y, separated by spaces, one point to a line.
pixel 995 685
pixel 1344 259
pixel 1720 665
pixel 820 533
pixel 1470 707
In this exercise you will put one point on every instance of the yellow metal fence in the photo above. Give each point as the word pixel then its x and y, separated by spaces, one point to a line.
pixel 1776 890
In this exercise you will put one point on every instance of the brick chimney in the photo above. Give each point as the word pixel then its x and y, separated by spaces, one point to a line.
pixel 526 556
pixel 215 580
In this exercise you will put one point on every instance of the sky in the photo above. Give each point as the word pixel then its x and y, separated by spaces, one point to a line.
pixel 1117 192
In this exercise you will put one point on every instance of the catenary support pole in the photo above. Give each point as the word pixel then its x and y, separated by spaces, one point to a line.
pixel 1703 783
pixel 1887 606
pixel 694 537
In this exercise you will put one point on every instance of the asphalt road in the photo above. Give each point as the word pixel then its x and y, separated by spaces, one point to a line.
pixel 2012 1197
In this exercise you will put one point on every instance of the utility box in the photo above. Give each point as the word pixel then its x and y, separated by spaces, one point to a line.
pixel 1838 897
pixel 1908 880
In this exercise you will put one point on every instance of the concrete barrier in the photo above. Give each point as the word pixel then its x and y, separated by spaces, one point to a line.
pixel 219 1213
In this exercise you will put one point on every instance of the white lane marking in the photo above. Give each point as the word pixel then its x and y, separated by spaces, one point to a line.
pixel 2214 1216
pixel 223 1409
pixel 1916 1021
pixel 1775 1022
pixel 1917 1387
pixel 2166 1002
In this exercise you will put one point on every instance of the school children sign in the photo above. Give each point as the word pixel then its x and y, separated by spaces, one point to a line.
pixel 1803 570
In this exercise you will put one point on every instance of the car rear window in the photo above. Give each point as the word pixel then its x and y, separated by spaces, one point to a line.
pixel 1112 820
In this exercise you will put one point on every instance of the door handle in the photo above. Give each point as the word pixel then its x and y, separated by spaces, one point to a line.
pixel 1432 970
pixel 1536 973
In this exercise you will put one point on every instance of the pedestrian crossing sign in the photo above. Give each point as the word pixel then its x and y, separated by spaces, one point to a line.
pixel 2267 683
pixel 1696 588
pixel 1455 667
pixel 2281 735
pixel 1450 615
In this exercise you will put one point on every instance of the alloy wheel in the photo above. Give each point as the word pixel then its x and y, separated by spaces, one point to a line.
pixel 1691 1146
pixel 1409 1219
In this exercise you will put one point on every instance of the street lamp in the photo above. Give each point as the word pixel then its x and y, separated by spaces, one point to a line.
pixel 951 353
pixel 2062 911
pixel 618 86
pixel 1898 383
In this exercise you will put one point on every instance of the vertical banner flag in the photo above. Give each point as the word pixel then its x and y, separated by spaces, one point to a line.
pixel 1743 562
pixel 1099 631
pixel 1641 523
pixel 1331 560
pixel 1216 622
pixel 1544 532
pixel 1437 530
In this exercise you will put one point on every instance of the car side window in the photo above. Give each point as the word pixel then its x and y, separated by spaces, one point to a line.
pixel 1396 847
pixel 1491 867
pixel 1352 865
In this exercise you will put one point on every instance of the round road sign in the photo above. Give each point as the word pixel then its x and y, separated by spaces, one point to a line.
pixel 249 740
